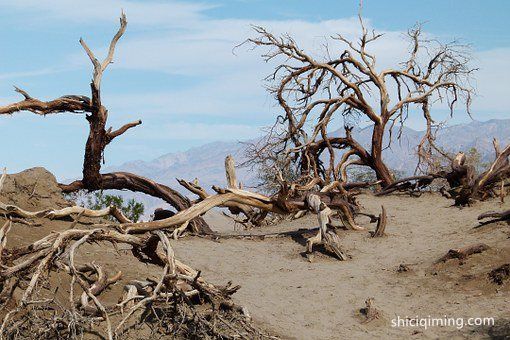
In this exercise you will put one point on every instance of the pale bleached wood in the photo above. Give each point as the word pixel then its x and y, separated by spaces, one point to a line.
pixel 324 236
pixel 112 210
pixel 230 172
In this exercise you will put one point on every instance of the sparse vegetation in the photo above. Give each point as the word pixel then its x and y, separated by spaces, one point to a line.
pixel 98 200
pixel 474 159
pixel 131 209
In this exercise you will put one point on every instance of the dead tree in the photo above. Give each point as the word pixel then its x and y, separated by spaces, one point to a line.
pixel 100 136
pixel 316 92
pixel 180 303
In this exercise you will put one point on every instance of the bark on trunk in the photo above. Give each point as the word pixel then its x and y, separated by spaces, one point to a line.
pixel 94 148
pixel 381 170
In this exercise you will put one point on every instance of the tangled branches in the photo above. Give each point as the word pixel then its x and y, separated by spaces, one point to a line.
pixel 465 185
pixel 313 93
pixel 169 305
pixel 50 288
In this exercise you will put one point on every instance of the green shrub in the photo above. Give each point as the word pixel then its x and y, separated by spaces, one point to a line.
pixel 99 200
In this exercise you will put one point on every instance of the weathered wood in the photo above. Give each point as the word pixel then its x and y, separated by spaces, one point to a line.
pixel 12 210
pixel 369 312
pixel 495 217
pixel 501 215
pixel 332 244
pixel 463 253
pixel 26 270
pixel 324 236
pixel 381 224
pixel 136 183
pixel 500 274
pixel 466 186
pixel 230 172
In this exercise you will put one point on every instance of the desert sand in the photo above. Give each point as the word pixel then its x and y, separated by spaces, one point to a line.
pixel 297 299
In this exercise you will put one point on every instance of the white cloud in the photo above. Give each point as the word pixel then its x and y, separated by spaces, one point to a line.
pixel 230 96
pixel 492 81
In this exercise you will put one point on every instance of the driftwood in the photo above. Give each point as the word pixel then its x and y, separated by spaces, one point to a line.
pixel 495 216
pixel 326 237
pixel 463 253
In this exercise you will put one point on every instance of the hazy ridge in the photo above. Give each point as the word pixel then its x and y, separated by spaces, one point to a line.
pixel 206 162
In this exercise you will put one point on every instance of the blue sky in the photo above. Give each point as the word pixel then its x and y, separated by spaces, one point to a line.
pixel 175 69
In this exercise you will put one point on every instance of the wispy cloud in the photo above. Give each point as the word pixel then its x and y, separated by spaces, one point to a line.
pixel 33 73
pixel 148 13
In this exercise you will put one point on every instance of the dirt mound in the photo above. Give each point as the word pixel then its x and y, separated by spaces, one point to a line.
pixel 33 189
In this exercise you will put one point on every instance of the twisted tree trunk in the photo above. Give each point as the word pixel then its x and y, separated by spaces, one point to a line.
pixel 381 170
pixel 99 137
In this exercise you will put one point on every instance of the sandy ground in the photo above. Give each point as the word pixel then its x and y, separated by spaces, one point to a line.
pixel 294 298
pixel 321 300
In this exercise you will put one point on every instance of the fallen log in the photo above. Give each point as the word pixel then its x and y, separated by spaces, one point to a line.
pixel 463 253
pixel 495 215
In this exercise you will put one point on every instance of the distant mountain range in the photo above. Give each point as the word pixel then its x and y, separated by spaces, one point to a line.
pixel 207 161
